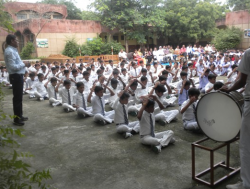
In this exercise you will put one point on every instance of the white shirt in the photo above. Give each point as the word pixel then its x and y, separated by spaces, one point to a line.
pixel 52 93
pixel 124 78
pixel 134 72
pixel 189 113
pixel 145 127
pixel 63 92
pixel 119 114
pixel 78 101
pixel 244 67
pixel 29 82
pixel 122 54
pixel 87 85
pixel 209 86
pixel 39 86
pixel 96 104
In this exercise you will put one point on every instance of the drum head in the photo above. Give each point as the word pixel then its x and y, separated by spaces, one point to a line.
pixel 219 116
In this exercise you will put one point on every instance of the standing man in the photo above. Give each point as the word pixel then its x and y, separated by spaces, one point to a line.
pixel 244 69
pixel 16 69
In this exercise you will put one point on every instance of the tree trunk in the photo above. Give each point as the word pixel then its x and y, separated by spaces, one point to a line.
pixel 126 44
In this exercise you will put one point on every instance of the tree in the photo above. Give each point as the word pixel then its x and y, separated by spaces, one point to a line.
pixel 227 39
pixel 73 12
pixel 90 15
pixel 71 48
pixel 239 4
pixel 189 19
pixel 27 50
pixel 5 19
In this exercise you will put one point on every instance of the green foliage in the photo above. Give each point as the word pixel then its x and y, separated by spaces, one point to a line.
pixel 73 12
pixel 14 171
pixel 239 4
pixel 27 51
pixel 89 15
pixel 95 46
pixel 228 38
pixel 5 19
pixel 106 47
pixel 71 48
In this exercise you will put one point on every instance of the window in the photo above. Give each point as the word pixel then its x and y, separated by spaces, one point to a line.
pixel 21 16
pixel 115 38
pixel 57 16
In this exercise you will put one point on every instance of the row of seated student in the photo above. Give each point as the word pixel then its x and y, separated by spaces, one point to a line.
pixel 146 95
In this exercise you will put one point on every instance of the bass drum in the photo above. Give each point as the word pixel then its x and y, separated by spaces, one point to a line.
pixel 218 115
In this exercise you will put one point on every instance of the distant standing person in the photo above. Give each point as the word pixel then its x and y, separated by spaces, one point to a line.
pixel 16 69
pixel 244 69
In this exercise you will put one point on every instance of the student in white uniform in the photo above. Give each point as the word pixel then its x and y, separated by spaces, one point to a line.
pixel 40 90
pixel 4 76
pixel 188 109
pixel 210 85
pixel 147 127
pixel 29 82
pixel 124 75
pixel 98 105
pixel 80 101
pixel 123 126
pixel 183 93
pixel 54 98
pixel 134 71
pixel 225 66
pixel 231 78
pixel 87 83
pixel 161 116
pixel 66 92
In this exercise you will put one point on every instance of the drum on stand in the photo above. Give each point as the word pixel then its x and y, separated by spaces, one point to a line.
pixel 218 115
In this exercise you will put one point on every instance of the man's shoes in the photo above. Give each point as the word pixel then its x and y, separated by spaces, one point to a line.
pixel 133 132
pixel 45 98
pixel 133 113
pixel 156 149
pixel 238 185
pixel 101 122
pixel 24 118
pixel 18 122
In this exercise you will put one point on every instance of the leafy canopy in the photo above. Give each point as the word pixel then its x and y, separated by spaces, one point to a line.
pixel 227 39
pixel 239 4
pixel 5 19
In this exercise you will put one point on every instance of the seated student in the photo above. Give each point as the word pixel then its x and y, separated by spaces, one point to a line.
pixel 141 92
pixel 124 76
pixel 80 101
pixel 4 76
pixel 134 71
pixel 29 82
pixel 232 76
pixel 161 116
pixel 188 109
pixel 124 127
pixel 203 80
pixel 87 83
pixel 52 73
pixel 200 67
pixel 218 85
pixel 74 76
pixel 54 98
pixel 40 90
pixel 210 85
pixel 115 89
pixel 175 71
pixel 147 127
pixel 115 75
pixel 66 92
pixel 225 66
pixel 133 108
pixel 150 78
pixel 98 105
pixel 170 75
pixel 183 93
pixel 180 83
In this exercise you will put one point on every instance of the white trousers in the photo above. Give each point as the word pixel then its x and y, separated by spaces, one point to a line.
pixel 166 116
pixel 169 101
pixel 88 111
pixel 108 117
pixel 53 100
pixel 128 128
pixel 39 95
pixel 134 108
pixel 162 138
pixel 190 124
pixel 67 106
pixel 245 146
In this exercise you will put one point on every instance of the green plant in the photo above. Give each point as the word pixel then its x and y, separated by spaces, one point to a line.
pixel 106 47
pixel 95 46
pixel 27 51
pixel 14 171
pixel 71 48
pixel 228 38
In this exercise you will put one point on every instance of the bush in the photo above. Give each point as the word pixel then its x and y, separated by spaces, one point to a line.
pixel 95 46
pixel 71 48
pixel 15 173
pixel 227 39
pixel 106 47
pixel 27 51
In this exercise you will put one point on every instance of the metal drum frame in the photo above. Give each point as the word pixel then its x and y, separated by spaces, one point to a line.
pixel 211 169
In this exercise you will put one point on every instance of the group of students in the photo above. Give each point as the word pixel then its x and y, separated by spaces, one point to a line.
pixel 146 91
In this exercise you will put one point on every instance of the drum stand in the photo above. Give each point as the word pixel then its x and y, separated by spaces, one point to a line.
pixel 213 166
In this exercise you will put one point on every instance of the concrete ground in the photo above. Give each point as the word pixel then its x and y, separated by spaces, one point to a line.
pixel 83 155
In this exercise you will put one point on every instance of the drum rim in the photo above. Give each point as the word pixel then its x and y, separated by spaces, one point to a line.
pixel 197 117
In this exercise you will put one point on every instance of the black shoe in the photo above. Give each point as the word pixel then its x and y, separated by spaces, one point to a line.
pixel 18 122
pixel 133 132
pixel 24 118
pixel 46 98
